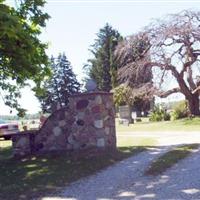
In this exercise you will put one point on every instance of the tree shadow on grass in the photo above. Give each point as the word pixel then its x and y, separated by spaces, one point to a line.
pixel 33 176
pixel 42 175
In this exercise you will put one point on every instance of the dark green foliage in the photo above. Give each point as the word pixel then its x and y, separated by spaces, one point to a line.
pixel 141 103
pixel 121 96
pixel 103 67
pixel 159 114
pixel 60 86
pixel 22 54
pixel 166 116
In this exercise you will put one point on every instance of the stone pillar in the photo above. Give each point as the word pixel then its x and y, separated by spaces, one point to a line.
pixel 87 123
pixel 94 124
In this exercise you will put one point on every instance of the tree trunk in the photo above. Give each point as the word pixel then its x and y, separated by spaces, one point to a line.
pixel 193 104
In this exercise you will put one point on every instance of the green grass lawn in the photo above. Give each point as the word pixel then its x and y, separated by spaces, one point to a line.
pixel 136 141
pixel 178 125
pixel 170 158
pixel 35 175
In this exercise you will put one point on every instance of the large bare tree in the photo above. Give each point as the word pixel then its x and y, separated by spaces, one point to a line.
pixel 138 80
pixel 175 55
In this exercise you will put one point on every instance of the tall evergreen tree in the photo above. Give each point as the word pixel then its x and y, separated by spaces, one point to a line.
pixel 103 67
pixel 60 86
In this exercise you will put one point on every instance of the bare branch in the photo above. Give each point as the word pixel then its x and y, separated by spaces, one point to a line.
pixel 196 90
pixel 163 94
pixel 174 43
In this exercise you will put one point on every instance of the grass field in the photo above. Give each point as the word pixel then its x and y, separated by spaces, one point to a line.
pixel 178 125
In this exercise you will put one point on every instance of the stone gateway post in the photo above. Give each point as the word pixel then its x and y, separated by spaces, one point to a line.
pixel 87 123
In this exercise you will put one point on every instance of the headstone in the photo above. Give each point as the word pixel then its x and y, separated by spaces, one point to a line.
pixel 125 113
pixel 134 115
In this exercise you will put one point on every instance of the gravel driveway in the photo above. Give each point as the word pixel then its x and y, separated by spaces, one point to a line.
pixel 125 180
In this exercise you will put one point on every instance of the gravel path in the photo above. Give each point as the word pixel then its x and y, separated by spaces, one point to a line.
pixel 125 180
pixel 108 183
pixel 182 181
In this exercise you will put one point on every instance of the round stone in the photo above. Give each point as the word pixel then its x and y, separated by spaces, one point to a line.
pixel 22 142
pixel 57 131
pixel 98 123
pixel 101 142
pixel 80 115
pixel 98 99
pixel 107 130
pixel 97 109
pixel 80 122
pixel 61 123
pixel 82 104
pixel 71 140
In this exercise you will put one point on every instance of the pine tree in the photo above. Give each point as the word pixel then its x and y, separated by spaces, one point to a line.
pixel 103 67
pixel 60 86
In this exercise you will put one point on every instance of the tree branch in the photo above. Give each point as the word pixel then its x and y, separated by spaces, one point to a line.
pixel 167 93
pixel 196 90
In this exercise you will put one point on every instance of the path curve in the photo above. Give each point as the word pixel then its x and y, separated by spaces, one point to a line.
pixel 126 181
pixel 104 184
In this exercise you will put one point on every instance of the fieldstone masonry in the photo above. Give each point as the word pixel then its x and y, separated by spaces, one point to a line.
pixel 88 122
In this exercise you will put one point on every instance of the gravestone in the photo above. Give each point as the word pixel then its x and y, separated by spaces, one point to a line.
pixel 134 115
pixel 125 114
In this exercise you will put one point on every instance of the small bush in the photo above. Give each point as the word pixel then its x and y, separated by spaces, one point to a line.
pixel 121 95
pixel 159 114
pixel 179 110
pixel 166 116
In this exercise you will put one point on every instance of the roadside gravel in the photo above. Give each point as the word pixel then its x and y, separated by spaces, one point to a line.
pixel 108 183
pixel 126 181
pixel 182 181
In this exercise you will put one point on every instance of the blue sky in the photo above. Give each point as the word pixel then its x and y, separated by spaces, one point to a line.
pixel 74 24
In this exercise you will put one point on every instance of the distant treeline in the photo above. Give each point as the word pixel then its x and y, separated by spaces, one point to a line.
pixel 15 117
pixel 172 104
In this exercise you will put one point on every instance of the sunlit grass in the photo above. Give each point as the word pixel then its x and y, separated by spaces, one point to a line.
pixel 188 124
pixel 136 141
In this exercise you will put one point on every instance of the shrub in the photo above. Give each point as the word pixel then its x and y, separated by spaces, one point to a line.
pixel 156 116
pixel 122 95
pixel 159 114
pixel 179 110
pixel 166 116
